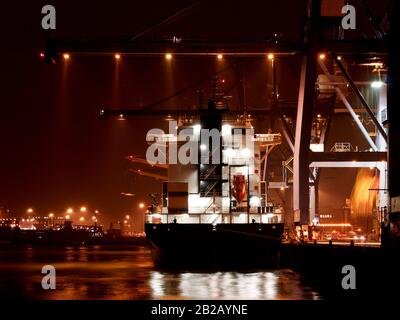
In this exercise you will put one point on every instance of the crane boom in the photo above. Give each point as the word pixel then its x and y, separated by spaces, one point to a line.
pixel 136 159
pixel 148 174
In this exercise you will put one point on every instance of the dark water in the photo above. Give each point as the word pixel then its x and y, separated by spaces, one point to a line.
pixel 127 272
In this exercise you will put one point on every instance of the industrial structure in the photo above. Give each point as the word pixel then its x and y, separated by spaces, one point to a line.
pixel 338 75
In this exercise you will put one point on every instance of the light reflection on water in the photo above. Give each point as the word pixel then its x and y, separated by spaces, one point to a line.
pixel 122 272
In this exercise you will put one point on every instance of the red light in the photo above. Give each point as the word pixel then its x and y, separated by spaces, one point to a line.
pixel 42 55
pixel 223 80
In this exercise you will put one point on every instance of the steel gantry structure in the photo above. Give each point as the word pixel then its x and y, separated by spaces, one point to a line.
pixel 384 148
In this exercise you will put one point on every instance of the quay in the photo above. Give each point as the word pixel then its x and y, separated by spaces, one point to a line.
pixel 321 265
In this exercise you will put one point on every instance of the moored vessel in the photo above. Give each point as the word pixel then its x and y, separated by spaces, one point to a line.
pixel 214 206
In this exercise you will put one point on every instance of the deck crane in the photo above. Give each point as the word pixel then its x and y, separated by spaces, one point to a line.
pixel 136 159
pixel 149 174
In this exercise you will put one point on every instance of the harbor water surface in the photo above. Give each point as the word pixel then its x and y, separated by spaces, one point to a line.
pixel 127 272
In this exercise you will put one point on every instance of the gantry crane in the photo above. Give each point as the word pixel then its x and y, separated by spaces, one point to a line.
pixel 313 42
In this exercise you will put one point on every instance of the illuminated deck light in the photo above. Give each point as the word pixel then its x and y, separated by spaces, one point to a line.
pixel 197 129
pixel 334 225
pixel 230 152
pixel 66 56
pixel 220 57
pixel 245 152
pixel 226 129
pixel 377 84
pixel 117 56
pixel 322 56
pixel 270 56
pixel 168 56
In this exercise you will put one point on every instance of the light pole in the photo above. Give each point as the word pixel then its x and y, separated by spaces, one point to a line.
pixel 143 217
pixel 94 218
pixel 129 225
pixel 30 212
pixel 51 216
pixel 69 213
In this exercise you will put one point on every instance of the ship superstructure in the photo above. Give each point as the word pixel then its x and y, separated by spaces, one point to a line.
pixel 226 182
pixel 214 204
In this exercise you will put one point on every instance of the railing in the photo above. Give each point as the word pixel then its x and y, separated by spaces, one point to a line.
pixel 341 147
pixel 384 115
pixel 210 188
pixel 210 173
pixel 212 202
pixel 222 217
pixel 208 156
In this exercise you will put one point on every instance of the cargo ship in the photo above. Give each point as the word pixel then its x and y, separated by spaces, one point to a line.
pixel 66 234
pixel 213 208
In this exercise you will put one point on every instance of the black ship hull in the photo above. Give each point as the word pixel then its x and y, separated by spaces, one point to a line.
pixel 225 245
pixel 49 237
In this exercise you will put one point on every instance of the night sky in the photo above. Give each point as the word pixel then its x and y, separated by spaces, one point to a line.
pixel 55 153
